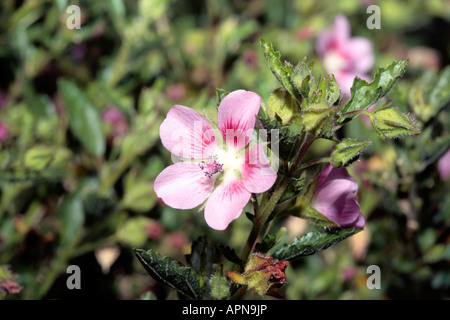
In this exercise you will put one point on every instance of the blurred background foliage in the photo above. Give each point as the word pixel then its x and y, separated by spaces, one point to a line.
pixel 80 112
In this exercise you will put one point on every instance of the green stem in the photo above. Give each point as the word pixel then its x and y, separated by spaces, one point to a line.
pixel 260 222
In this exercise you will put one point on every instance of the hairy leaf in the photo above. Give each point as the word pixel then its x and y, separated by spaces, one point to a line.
pixel 365 94
pixel 171 272
pixel 313 242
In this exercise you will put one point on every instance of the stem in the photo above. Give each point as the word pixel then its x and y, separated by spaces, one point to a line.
pixel 260 222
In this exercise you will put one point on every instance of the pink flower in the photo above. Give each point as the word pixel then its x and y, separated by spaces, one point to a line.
pixel 335 198
pixel 344 56
pixel 3 132
pixel 116 123
pixel 444 166
pixel 223 174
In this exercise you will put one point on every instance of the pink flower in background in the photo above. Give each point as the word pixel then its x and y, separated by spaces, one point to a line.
pixel 444 166
pixel 116 122
pixel 224 175
pixel 335 197
pixel 3 132
pixel 344 56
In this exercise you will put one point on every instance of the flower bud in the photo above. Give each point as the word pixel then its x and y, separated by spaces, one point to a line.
pixel 391 123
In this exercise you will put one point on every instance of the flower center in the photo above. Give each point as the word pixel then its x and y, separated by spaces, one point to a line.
pixel 334 62
pixel 211 167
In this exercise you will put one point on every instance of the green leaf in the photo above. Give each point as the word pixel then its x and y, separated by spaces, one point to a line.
pixel 220 94
pixel 84 119
pixel 72 214
pixel 318 118
pixel 313 242
pixel 133 231
pixel 219 288
pixel 347 151
pixel 170 272
pixel 202 256
pixel 283 104
pixel 280 71
pixel 365 94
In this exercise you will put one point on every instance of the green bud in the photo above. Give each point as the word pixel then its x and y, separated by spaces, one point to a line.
pixel 347 151
pixel 318 118
pixel 282 103
pixel 391 123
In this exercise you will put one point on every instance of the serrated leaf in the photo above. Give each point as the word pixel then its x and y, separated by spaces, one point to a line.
pixel 170 272
pixel 283 105
pixel 230 254
pixel 313 242
pixel 347 151
pixel 202 256
pixel 364 94
pixel 84 119
pixel 289 137
pixel 282 73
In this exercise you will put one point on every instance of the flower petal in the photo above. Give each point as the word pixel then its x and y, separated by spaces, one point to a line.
pixel 341 29
pixel 335 197
pixel 236 117
pixel 226 203
pixel 183 185
pixel 361 51
pixel 443 166
pixel 257 174
pixel 187 134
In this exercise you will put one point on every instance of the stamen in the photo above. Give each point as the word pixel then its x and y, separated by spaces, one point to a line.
pixel 211 167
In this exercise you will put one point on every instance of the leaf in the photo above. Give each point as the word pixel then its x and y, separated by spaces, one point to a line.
pixel 202 256
pixel 170 272
pixel 220 94
pixel 72 214
pixel 219 288
pixel 313 242
pixel 282 73
pixel 347 151
pixel 230 254
pixel 365 94
pixel 84 119
pixel 283 104
pixel 133 231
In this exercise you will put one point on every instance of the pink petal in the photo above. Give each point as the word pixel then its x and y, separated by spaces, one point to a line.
pixel 361 52
pixel 345 81
pixel 226 203
pixel 341 29
pixel 444 166
pixel 323 43
pixel 236 117
pixel 183 185
pixel 335 197
pixel 187 134
pixel 257 174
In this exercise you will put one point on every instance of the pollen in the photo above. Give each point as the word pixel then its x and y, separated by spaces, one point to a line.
pixel 211 167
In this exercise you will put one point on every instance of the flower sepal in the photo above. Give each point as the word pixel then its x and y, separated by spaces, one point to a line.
pixel 261 273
